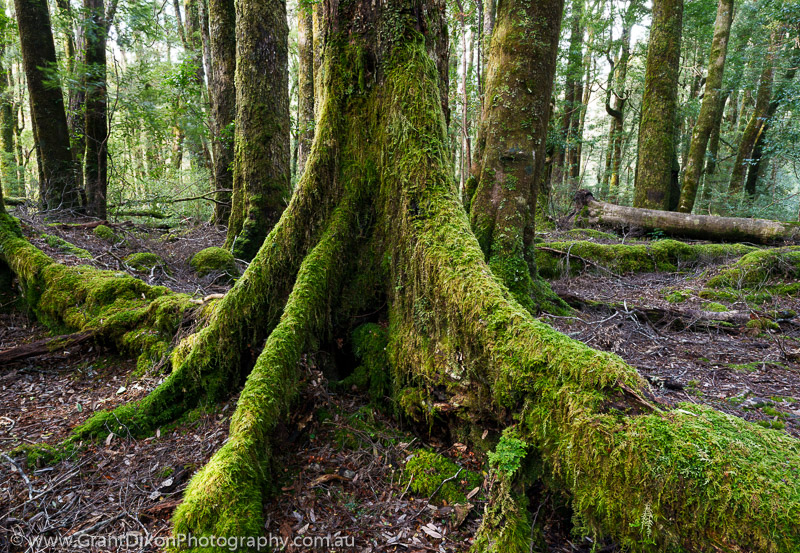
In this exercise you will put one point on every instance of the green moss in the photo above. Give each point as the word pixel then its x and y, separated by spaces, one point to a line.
pixel 369 346
pixel 426 471
pixel 63 246
pixel 104 232
pixel 715 307
pixel 678 296
pixel 144 261
pixel 661 255
pixel 214 260
pixel 762 324
pixel 584 233
pixel 758 268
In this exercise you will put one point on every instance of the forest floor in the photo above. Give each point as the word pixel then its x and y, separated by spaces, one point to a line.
pixel 346 464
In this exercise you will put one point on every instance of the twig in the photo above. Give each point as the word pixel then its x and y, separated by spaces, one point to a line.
pixel 22 474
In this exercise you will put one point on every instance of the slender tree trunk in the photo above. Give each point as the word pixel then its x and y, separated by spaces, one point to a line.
pixel 713 151
pixel 756 122
pixel 8 172
pixel 575 107
pixel 58 190
pixel 514 128
pixel 656 148
pixel 261 171
pixel 755 169
pixel 96 159
pixel 305 85
pixel 222 93
pixel 709 109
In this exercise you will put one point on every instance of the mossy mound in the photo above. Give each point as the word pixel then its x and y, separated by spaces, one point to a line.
pixel 106 233
pixel 678 296
pixel 214 260
pixel 759 267
pixel 63 246
pixel 588 233
pixel 144 261
pixel 714 306
pixel 426 471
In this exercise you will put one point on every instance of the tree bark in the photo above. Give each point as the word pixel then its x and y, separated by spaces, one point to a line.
pixel 709 109
pixel 305 83
pixel 756 121
pixel 656 148
pixel 8 171
pixel 705 227
pixel 222 93
pixel 261 170
pixel 58 190
pixel 755 166
pixel 519 83
pixel 96 125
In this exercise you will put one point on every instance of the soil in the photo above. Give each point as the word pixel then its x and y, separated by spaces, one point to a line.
pixel 342 459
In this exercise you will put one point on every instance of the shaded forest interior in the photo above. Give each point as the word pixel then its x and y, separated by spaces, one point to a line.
pixel 497 276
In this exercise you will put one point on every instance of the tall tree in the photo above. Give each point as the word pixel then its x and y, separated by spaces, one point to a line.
pixel 709 109
pixel 57 189
pixel 757 119
pixel 222 95
pixel 758 157
pixel 512 136
pixel 261 170
pixel 656 148
pixel 96 124
pixel 8 172
pixel 305 83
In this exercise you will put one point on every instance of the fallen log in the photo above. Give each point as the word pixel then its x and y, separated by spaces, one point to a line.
pixel 45 346
pixel 589 211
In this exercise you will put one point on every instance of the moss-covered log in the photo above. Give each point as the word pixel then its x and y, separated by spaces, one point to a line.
pixel 376 220
pixel 118 309
pixel 557 259
pixel 705 227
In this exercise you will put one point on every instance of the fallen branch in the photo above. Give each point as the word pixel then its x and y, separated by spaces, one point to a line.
pixel 589 211
pixel 43 347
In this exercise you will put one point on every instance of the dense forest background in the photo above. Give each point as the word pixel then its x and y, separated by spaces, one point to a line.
pixel 160 128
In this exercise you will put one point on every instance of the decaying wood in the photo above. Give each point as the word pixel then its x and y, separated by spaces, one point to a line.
pixel 671 317
pixel 44 347
pixel 707 227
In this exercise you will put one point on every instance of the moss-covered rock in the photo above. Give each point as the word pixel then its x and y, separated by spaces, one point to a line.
pixel 426 471
pixel 143 261
pixel 104 232
pixel 214 260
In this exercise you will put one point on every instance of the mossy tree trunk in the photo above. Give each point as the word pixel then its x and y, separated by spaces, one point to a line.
pixel 8 174
pixel 57 189
pixel 305 83
pixel 756 122
pixel 222 94
pixel 512 140
pixel 709 109
pixel 758 157
pixel 376 221
pixel 657 148
pixel 261 168
pixel 96 125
